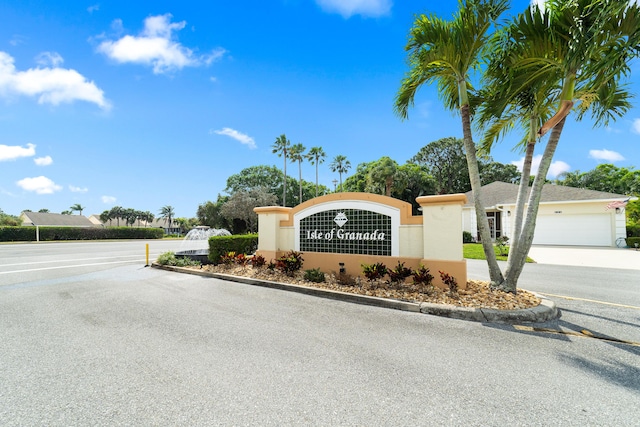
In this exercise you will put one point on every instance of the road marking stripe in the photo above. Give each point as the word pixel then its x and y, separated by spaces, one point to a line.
pixel 68 260
pixel 590 300
pixel 141 261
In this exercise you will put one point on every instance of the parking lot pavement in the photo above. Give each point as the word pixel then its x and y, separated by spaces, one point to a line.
pixel 602 257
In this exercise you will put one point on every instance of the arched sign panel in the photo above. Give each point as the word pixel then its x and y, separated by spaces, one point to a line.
pixel 348 227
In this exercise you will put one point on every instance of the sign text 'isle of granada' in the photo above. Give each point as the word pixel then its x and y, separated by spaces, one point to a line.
pixel 346 231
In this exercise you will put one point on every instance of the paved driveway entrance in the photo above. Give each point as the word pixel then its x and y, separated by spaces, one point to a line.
pixel 586 256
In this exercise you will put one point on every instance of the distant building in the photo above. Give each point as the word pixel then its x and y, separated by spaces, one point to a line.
pixel 156 223
pixel 54 220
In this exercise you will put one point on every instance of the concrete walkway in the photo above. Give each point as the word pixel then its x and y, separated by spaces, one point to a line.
pixel 628 259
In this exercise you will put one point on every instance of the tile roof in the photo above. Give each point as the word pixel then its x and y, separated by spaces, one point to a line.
pixel 501 193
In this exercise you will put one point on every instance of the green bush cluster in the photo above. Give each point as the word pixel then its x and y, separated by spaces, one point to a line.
pixel 290 262
pixel 633 230
pixel 631 241
pixel 314 275
pixel 240 244
pixel 397 275
pixel 467 237
pixel 169 258
pixel 28 234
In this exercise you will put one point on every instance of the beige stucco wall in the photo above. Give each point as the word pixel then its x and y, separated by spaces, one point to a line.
pixel 433 239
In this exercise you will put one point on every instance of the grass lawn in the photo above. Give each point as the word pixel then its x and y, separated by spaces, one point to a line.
pixel 475 251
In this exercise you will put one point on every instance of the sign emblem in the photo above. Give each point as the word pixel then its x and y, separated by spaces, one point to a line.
pixel 340 219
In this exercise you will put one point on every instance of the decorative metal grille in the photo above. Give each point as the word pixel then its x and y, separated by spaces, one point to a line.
pixel 346 231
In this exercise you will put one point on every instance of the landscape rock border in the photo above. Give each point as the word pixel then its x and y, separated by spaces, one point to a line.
pixel 544 312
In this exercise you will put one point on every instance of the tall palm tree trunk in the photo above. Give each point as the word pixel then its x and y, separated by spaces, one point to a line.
pixel 284 186
pixel 316 177
pixel 476 186
pixel 300 179
pixel 524 185
pixel 516 263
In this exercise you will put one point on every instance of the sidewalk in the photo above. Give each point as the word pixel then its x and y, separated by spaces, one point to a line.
pixel 628 259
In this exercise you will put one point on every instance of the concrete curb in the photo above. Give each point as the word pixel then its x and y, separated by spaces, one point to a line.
pixel 546 311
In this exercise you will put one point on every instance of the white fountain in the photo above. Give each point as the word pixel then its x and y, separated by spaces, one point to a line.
pixel 196 243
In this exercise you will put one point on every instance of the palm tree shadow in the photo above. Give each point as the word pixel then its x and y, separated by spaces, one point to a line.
pixel 613 371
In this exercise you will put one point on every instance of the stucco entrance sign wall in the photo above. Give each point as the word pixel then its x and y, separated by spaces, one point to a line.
pixel 348 227
pixel 346 230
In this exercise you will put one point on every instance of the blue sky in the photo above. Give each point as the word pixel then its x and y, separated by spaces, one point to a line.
pixel 147 104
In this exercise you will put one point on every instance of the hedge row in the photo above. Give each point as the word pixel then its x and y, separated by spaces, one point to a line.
pixel 631 241
pixel 28 234
pixel 240 244
pixel 633 230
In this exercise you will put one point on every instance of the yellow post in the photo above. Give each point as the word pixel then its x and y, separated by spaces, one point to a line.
pixel 147 256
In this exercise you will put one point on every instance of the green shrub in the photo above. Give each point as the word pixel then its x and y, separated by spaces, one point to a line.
pixel 290 262
pixel 422 276
pixel 346 279
pixel 451 282
pixel 228 259
pixel 633 230
pixel 631 241
pixel 169 258
pixel 374 271
pixel 399 273
pixel 467 237
pixel 166 258
pixel 258 261
pixel 28 234
pixel 240 244
pixel 314 275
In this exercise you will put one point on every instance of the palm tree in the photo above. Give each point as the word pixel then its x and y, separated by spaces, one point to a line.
pixel 281 148
pixel 341 165
pixel 577 51
pixel 116 213
pixel 316 155
pixel 167 214
pixel 384 170
pixel 296 154
pixel 446 52
pixel 148 218
pixel 77 208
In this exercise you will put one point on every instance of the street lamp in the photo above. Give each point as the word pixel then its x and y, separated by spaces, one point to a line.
pixel 335 182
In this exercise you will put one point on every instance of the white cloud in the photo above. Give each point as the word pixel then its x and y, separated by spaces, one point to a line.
pixel 555 169
pixel 155 47
pixel 93 8
pixel 47 59
pixel 17 40
pixel 78 189
pixel 238 136
pixel 540 3
pixel 13 152
pixel 635 127
pixel 348 8
pixel 51 85
pixel 39 185
pixel 609 156
pixel 108 199
pixel 43 161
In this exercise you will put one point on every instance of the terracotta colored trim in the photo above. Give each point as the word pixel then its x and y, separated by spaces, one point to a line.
pixel 406 216
pixel 272 209
pixel 443 199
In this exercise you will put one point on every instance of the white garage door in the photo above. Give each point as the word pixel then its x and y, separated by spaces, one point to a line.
pixel 578 230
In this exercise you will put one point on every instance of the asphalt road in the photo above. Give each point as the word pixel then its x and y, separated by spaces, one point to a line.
pixel 89 336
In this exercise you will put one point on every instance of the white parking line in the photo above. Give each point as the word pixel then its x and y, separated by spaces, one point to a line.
pixel 68 260
pixel 141 261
